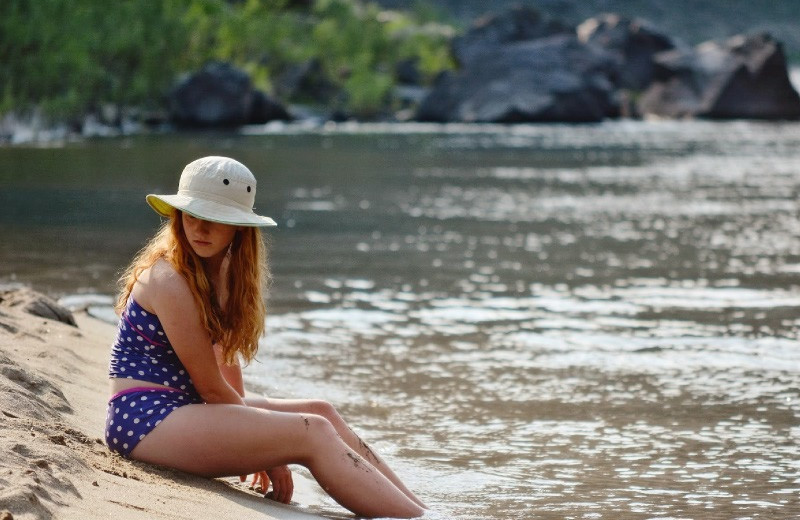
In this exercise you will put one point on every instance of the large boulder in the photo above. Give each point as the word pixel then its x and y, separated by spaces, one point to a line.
pixel 493 30
pixel 633 42
pixel 744 77
pixel 221 95
pixel 553 79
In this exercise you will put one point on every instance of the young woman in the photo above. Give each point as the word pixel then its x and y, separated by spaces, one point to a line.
pixel 191 306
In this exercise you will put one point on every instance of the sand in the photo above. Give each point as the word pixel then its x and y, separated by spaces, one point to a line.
pixel 53 462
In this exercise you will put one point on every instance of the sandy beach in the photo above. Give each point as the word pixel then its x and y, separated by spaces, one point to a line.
pixel 53 392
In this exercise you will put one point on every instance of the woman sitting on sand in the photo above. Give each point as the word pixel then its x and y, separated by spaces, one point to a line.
pixel 191 305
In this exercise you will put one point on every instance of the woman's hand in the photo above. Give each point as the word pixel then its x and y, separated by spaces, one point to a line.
pixel 260 481
pixel 282 484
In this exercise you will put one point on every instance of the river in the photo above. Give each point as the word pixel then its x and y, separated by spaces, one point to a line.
pixel 544 321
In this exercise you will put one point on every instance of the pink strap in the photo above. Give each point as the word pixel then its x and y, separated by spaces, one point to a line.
pixel 137 331
pixel 142 389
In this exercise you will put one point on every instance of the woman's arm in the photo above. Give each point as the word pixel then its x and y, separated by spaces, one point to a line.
pixel 169 296
pixel 281 476
pixel 231 373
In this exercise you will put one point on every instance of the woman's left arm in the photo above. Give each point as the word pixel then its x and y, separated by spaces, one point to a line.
pixel 231 373
pixel 282 485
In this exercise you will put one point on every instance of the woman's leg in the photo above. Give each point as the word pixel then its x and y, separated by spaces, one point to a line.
pixel 329 412
pixel 221 440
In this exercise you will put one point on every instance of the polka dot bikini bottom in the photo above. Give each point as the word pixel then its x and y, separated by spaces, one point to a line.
pixel 135 412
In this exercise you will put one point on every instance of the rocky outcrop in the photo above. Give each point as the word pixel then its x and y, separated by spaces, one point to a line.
pixel 492 31
pixel 634 43
pixel 556 78
pixel 220 95
pixel 520 67
pixel 744 77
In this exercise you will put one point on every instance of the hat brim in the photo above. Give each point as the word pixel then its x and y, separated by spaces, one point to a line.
pixel 207 210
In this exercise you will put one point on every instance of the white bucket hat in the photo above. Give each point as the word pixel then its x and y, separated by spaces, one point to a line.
pixel 217 189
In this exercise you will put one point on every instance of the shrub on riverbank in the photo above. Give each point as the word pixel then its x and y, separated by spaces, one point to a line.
pixel 69 57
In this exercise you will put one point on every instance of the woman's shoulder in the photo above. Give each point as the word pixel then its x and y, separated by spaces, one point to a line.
pixel 161 271
pixel 159 282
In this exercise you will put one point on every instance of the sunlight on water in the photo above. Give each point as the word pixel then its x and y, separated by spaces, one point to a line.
pixel 619 330
pixel 548 321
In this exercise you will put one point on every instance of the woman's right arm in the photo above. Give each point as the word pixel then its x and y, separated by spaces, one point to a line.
pixel 169 296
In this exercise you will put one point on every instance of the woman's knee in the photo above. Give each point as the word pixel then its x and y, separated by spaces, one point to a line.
pixel 316 426
pixel 320 433
pixel 324 409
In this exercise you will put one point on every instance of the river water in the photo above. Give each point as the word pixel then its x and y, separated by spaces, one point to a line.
pixel 530 322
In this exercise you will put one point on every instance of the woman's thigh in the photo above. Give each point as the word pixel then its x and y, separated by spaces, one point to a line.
pixel 313 406
pixel 222 440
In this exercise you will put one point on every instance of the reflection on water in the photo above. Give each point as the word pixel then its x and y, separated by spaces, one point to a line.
pixel 534 401
pixel 533 322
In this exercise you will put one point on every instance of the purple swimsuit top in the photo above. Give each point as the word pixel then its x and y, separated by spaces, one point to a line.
pixel 142 351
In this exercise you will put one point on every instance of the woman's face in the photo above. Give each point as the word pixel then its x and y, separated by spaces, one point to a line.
pixel 208 239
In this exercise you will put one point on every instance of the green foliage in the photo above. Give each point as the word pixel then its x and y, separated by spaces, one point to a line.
pixel 69 56
pixel 361 46
pixel 66 56
pixel 429 43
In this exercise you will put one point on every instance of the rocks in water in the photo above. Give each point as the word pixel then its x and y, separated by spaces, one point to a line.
pixel 633 42
pixel 494 30
pixel 221 95
pixel 518 66
pixel 556 78
pixel 744 77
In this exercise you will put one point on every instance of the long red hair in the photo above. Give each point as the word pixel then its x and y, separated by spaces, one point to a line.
pixel 240 324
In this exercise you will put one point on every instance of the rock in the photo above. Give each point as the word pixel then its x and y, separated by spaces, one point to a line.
pixel 407 72
pixel 219 95
pixel 514 25
pixel 31 127
pixel 265 109
pixel 550 79
pixel 36 304
pixel 633 42
pixel 409 95
pixel 306 82
pixel 744 77
pixel 339 116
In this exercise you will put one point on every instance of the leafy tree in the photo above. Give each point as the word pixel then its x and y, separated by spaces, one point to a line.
pixel 67 57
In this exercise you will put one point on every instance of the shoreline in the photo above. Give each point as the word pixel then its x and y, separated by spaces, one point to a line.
pixel 47 139
pixel 34 130
pixel 53 392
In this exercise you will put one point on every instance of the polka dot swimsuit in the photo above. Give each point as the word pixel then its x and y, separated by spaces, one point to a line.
pixel 142 351
pixel 135 412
